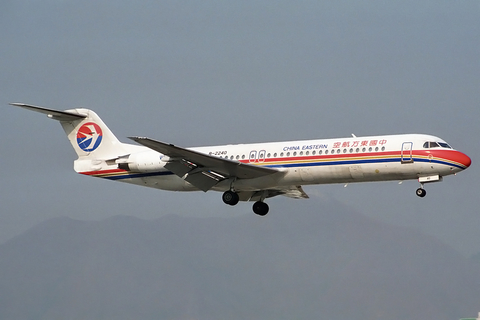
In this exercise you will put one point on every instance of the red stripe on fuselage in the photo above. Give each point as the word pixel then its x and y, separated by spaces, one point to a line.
pixel 326 157
pixel 92 173
pixel 450 155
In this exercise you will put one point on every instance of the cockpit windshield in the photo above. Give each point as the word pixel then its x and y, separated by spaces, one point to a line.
pixel 433 144
pixel 444 145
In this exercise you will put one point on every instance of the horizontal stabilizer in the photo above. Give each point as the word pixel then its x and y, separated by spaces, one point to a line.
pixel 51 113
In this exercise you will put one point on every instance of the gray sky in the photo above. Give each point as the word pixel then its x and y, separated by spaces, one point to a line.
pixel 203 73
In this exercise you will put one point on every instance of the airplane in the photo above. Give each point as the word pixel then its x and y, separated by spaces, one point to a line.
pixel 257 171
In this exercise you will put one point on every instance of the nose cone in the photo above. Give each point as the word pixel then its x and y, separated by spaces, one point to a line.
pixel 463 159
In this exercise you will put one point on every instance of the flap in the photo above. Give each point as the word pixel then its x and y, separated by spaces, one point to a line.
pixel 295 192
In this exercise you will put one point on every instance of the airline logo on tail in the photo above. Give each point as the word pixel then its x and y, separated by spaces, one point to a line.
pixel 89 136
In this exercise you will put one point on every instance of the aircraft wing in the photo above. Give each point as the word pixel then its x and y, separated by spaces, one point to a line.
pixel 200 169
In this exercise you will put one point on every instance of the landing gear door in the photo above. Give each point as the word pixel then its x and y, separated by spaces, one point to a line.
pixel 406 154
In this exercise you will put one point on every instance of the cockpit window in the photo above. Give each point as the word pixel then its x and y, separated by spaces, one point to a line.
pixel 444 145
pixel 432 144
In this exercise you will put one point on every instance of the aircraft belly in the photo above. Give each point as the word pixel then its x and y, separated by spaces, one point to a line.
pixel 359 173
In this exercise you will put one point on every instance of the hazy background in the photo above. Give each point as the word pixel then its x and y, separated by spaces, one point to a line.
pixel 329 264
pixel 218 72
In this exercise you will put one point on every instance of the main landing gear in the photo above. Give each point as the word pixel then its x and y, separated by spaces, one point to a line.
pixel 232 198
pixel 260 208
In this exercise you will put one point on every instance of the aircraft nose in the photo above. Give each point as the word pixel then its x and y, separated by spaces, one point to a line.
pixel 463 159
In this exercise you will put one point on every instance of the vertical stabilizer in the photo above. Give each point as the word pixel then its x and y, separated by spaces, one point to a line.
pixel 88 134
pixel 91 138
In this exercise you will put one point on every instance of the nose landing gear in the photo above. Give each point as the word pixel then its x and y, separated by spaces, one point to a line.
pixel 428 179
pixel 421 192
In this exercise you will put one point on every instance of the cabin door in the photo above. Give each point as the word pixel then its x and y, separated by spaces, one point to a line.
pixel 406 153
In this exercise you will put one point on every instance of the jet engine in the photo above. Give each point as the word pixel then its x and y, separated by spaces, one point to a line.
pixel 142 162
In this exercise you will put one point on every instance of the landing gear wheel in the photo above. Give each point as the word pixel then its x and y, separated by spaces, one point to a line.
pixel 421 192
pixel 260 208
pixel 230 197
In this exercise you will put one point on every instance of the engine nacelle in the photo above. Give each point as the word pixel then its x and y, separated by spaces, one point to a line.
pixel 142 162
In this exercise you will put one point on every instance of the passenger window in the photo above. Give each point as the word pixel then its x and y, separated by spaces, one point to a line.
pixel 301 153
pixel 370 149
pixel 344 150
pixel 238 157
pixel 295 153
pixel 326 151
pixel 268 155
pixel 243 156
pixel 383 148
pixel 376 148
pixel 275 155
pixel 338 150
pixel 288 154
pixel 319 152
pixel 357 150
pixel 281 154
pixel 364 149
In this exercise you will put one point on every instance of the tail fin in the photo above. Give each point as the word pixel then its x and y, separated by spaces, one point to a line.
pixel 91 138
pixel 88 134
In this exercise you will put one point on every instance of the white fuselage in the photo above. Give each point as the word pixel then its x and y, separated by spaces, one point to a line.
pixel 343 160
